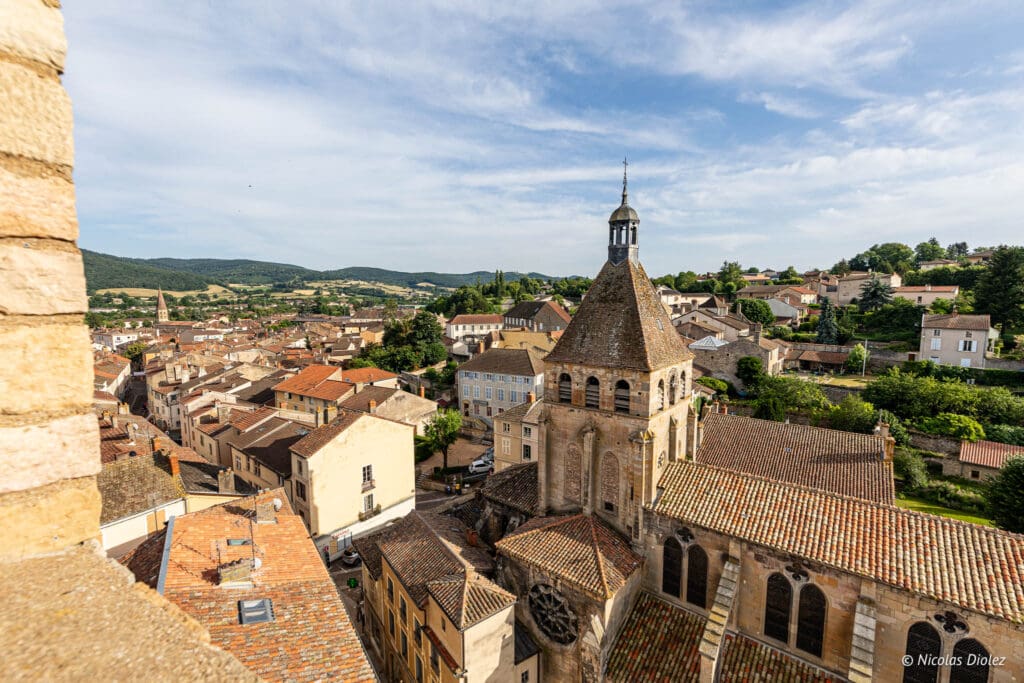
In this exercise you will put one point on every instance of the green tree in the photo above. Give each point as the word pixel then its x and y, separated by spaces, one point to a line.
pixel 134 351
pixel 1005 496
pixel 857 360
pixel 909 466
pixel 874 294
pixel 442 431
pixel 1000 291
pixel 770 408
pixel 756 311
pixel 890 257
pixel 896 429
pixel 828 329
pixel 952 424
pixel 731 274
pixel 928 251
pixel 749 369
pixel 795 395
pixel 841 268
pixel 852 415
pixel 715 384
pixel 957 250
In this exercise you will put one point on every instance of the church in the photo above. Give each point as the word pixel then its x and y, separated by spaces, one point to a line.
pixel 649 543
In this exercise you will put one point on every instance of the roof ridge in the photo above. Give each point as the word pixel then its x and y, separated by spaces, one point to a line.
pixel 796 424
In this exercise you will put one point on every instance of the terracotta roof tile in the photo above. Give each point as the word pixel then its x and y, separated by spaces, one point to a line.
pixel 514 486
pixel 955 321
pixel 310 637
pixel 366 375
pixel 621 324
pixel 847 463
pixel 468 599
pixel 317 381
pixel 972 566
pixel 136 484
pixel 477 319
pixel 518 362
pixel 580 549
pixel 658 644
pixel 988 453
pixel 744 660
pixel 323 435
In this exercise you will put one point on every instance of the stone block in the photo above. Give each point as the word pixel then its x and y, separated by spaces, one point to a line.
pixel 34 206
pixel 49 518
pixel 36 455
pixel 36 112
pixel 45 368
pixel 31 30
pixel 38 280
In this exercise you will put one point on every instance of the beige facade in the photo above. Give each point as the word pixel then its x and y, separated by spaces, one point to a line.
pixel 926 295
pixel 361 477
pixel 517 435
pixel 849 286
pixel 946 340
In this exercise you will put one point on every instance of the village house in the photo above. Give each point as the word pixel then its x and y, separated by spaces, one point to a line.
pixel 926 295
pixel 956 339
pixel 497 380
pixel 980 460
pixel 471 327
pixel 112 340
pixel 517 434
pixel 394 404
pixel 719 358
pixel 248 572
pixel 804 295
pixel 316 389
pixel 537 316
pixel 845 289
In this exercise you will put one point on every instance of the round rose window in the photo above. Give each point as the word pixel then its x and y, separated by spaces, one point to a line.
pixel 552 613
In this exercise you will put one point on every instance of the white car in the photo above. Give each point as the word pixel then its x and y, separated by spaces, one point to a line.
pixel 480 466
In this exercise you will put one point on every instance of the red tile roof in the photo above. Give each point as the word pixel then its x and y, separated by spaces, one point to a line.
pixel 955 321
pixel 658 644
pixel 847 463
pixel 366 375
pixel 321 436
pixel 744 660
pixel 310 637
pixel 988 453
pixel 580 549
pixel 975 567
pixel 477 319
pixel 317 381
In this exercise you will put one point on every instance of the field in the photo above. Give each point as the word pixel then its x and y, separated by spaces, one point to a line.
pixel 911 503
pixel 212 290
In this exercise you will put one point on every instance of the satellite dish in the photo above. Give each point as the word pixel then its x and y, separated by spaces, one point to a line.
pixel 257 562
pixel 277 504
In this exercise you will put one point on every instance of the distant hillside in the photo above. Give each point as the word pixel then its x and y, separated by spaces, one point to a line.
pixel 395 277
pixel 103 271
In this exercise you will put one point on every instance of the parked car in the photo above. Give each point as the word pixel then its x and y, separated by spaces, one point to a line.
pixel 350 556
pixel 487 455
pixel 480 466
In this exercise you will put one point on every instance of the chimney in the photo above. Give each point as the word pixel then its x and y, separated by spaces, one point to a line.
pixel 237 570
pixel 723 409
pixel 114 422
pixel 159 444
pixel 530 398
pixel 889 449
pixel 106 414
pixel 122 409
pixel 175 465
pixel 265 513
pixel 226 481
pixel 423 391
pixel 756 332
pixel 480 347
pixel 223 411
pixel 373 406
pixel 472 538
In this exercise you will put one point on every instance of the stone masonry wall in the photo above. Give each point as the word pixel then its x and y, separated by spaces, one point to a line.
pixel 49 446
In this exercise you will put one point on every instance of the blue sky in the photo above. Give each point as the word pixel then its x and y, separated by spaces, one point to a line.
pixel 457 136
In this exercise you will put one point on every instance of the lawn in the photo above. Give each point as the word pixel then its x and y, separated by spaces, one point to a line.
pixel 911 503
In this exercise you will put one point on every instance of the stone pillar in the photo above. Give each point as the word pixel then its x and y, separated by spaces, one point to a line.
pixel 45 354
pixel 543 460
pixel 591 479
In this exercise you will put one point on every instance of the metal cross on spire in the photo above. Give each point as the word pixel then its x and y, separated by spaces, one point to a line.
pixel 625 164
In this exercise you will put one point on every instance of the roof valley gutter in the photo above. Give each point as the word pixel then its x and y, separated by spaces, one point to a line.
pixel 166 556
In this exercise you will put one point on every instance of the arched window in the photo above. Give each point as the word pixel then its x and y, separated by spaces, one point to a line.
pixel 671 567
pixel 593 394
pixel 661 394
pixel 923 647
pixel 564 388
pixel 609 482
pixel 622 396
pixel 810 620
pixel 776 608
pixel 970 662
pixel 697 576
pixel 673 386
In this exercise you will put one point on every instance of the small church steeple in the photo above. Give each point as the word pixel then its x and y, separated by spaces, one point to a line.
pixel 162 314
pixel 622 227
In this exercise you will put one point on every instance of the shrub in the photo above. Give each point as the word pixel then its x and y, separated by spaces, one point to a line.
pixel 852 415
pixel 896 429
pixel 749 369
pixel 1005 496
pixel 951 424
pixel 1005 434
pixel 951 495
pixel 909 466
pixel 715 384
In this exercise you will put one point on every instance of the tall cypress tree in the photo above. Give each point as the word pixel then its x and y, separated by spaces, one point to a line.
pixel 1000 290
pixel 828 328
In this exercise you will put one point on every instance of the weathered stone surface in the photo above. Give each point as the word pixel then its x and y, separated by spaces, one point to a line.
pixel 36 112
pixel 44 368
pixel 31 456
pixel 49 518
pixel 30 29
pixel 38 280
pixel 32 206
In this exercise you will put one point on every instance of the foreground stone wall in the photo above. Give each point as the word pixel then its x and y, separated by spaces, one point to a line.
pixel 49 445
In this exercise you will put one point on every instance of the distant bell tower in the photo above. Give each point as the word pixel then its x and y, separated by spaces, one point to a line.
pixel 162 315
pixel 622 228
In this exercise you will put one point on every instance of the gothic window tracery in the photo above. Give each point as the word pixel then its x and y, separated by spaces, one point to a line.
pixel 923 648
pixel 810 620
pixel 777 607
pixel 552 613
pixel 697 576
pixel 970 662
pixel 671 567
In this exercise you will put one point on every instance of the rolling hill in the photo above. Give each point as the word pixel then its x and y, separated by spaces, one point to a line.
pixel 103 271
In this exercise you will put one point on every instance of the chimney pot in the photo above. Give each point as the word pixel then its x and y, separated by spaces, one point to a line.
pixel 175 464
pixel 423 391
pixel 373 406
pixel 226 481
pixel 530 398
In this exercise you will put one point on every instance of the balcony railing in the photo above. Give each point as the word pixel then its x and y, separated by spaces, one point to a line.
pixel 369 484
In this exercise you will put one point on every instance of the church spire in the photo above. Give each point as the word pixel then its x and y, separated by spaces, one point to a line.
pixel 622 227
pixel 162 314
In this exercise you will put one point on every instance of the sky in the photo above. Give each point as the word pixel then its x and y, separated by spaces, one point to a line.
pixel 470 135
